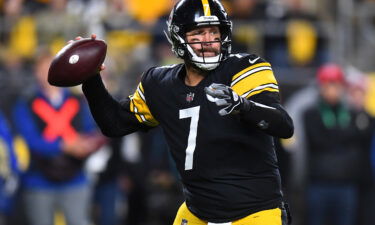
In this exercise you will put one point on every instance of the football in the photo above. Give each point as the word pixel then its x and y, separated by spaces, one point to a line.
pixel 77 62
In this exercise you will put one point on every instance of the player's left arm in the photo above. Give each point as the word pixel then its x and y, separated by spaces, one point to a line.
pixel 254 95
pixel 265 111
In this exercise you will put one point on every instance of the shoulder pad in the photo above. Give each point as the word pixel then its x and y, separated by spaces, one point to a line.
pixel 243 61
pixel 251 75
pixel 158 73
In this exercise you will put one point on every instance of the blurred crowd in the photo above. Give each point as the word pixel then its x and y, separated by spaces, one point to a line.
pixel 322 53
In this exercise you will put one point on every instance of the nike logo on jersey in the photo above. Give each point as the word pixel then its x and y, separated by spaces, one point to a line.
pixel 254 60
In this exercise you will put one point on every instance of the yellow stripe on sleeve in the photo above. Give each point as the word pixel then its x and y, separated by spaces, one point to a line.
pixel 140 109
pixel 255 83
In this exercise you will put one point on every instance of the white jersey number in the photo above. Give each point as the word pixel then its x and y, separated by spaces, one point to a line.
pixel 192 113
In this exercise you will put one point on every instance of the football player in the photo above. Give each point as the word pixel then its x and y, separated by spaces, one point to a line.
pixel 219 113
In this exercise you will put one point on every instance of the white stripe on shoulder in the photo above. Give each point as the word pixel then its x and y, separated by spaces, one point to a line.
pixel 236 55
pixel 167 66
pixel 248 73
pixel 274 86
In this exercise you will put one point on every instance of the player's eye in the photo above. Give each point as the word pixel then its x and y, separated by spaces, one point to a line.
pixel 198 32
pixel 194 40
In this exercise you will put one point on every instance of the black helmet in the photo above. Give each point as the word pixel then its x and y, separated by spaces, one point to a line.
pixel 189 14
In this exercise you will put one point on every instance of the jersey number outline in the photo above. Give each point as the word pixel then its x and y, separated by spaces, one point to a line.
pixel 192 113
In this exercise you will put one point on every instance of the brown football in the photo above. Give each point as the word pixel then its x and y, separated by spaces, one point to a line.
pixel 77 62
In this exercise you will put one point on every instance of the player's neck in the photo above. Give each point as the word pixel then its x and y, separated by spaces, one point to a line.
pixel 194 76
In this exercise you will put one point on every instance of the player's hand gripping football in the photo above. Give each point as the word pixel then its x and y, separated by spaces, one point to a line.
pixel 76 62
pixel 93 37
pixel 224 97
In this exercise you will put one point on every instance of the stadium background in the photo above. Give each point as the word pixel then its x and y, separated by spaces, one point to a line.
pixel 296 36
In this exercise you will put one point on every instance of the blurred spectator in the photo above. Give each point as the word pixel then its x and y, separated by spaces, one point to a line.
pixel 335 152
pixel 107 164
pixel 296 105
pixel 357 83
pixel 66 23
pixel 305 36
pixel 147 12
pixel 366 32
pixel 105 168
pixel 248 9
pixel 138 185
pixel 14 76
pixel 9 171
pixel 128 40
pixel 247 15
pixel 60 134
pixel 357 89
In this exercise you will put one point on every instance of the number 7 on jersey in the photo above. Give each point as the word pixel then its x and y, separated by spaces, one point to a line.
pixel 192 113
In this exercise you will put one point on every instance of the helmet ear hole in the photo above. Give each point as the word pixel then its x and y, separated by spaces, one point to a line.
pixel 175 29
pixel 181 52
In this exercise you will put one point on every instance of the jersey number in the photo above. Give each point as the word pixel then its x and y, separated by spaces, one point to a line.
pixel 192 113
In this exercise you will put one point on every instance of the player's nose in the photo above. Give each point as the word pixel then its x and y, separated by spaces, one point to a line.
pixel 207 38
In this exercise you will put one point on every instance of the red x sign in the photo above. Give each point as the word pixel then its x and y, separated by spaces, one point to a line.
pixel 58 122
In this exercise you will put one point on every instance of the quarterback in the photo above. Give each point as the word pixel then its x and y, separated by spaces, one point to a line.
pixel 219 113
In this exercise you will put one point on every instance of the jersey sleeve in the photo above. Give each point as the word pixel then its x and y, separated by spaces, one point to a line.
pixel 256 82
pixel 138 104
pixel 255 77
pixel 114 118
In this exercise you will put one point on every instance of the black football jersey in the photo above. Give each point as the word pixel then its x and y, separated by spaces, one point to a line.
pixel 228 168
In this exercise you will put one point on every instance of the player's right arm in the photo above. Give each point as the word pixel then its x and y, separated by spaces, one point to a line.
pixel 254 94
pixel 116 118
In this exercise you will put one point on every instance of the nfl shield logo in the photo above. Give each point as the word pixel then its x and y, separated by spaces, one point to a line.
pixel 190 97
pixel 184 222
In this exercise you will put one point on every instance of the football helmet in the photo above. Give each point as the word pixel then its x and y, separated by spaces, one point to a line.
pixel 189 14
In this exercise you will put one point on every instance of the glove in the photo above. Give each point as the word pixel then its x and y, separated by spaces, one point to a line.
pixel 224 97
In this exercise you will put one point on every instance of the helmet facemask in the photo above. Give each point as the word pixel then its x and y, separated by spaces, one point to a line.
pixel 186 51
pixel 176 35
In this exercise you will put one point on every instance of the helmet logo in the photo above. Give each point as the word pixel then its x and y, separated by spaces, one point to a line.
pixel 203 19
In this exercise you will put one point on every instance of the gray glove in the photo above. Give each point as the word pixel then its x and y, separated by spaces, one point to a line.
pixel 224 97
